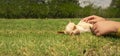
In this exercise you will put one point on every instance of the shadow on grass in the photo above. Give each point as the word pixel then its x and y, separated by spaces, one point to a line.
pixel 113 35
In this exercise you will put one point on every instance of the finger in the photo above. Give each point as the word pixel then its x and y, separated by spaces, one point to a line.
pixel 92 21
pixel 96 31
pixel 86 19
pixel 94 27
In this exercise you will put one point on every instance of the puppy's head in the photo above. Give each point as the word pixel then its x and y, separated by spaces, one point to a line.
pixel 70 27
pixel 76 31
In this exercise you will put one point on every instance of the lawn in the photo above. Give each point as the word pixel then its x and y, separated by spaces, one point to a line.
pixel 39 37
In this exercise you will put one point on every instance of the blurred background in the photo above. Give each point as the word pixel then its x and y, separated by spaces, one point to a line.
pixel 59 8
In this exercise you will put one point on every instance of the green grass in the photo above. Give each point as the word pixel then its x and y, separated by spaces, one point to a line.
pixel 38 37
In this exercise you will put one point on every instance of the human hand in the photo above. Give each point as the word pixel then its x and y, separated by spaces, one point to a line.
pixel 105 27
pixel 93 19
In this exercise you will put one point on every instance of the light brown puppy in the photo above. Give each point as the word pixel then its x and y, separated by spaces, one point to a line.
pixel 73 29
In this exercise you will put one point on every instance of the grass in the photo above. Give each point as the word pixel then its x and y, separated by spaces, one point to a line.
pixel 38 37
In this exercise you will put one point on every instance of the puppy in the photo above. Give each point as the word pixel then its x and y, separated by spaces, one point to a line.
pixel 73 29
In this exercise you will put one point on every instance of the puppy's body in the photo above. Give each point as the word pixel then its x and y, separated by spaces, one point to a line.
pixel 81 27
pixel 84 27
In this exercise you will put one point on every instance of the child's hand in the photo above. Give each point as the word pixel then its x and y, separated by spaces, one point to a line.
pixel 105 27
